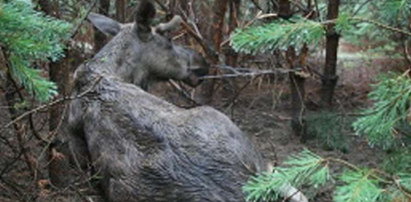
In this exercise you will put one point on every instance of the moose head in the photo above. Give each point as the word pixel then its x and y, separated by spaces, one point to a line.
pixel 140 54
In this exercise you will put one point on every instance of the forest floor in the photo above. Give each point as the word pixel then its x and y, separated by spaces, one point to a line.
pixel 262 110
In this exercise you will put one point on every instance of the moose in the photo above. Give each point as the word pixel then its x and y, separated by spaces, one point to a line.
pixel 142 147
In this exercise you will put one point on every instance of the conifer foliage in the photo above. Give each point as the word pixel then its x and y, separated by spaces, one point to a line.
pixel 385 124
pixel 27 37
pixel 278 35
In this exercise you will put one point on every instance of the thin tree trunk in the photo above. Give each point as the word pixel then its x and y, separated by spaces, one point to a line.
pixel 231 55
pixel 60 72
pixel 230 86
pixel 216 34
pixel 284 9
pixel 121 6
pixel 296 81
pixel 216 29
pixel 99 38
pixel 330 78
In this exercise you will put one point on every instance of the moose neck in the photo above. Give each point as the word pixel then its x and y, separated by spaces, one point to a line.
pixel 119 59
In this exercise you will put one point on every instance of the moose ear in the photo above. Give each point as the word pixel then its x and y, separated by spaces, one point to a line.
pixel 145 14
pixel 104 24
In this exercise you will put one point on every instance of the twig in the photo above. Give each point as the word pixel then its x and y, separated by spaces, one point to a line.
pixel 14 187
pixel 317 9
pixel 376 23
pixel 259 16
pixel 207 49
pixel 406 52
pixel 54 132
pixel 384 26
pixel 10 164
pixel 50 104
pixel 234 98
pixel 361 6
pixel 183 92
pixel 252 73
pixel 31 121
pixel 298 5
pixel 257 5
pixel 74 32
pixel 163 7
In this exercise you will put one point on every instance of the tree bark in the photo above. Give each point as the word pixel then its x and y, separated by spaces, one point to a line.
pixel 231 55
pixel 297 84
pixel 215 33
pixel 284 9
pixel 330 78
pixel 99 38
pixel 60 72
pixel 296 80
pixel 121 6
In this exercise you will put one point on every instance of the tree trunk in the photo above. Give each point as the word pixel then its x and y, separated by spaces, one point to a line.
pixel 121 6
pixel 231 55
pixel 284 9
pixel 60 72
pixel 330 78
pixel 216 31
pixel 296 80
pixel 99 38
pixel 216 35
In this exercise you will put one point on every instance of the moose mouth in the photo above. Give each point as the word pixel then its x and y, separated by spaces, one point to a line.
pixel 193 80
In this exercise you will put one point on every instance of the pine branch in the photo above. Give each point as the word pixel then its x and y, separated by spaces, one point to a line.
pixel 382 25
pixel 298 31
pixel 306 168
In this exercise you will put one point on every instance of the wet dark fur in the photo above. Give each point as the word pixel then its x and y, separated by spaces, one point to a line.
pixel 144 148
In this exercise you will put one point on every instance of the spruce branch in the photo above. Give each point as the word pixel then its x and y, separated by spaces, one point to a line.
pixel 306 168
pixel 382 25
pixel 281 34
pixel 28 36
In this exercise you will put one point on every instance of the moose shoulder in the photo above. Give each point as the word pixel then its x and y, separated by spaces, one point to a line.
pixel 144 148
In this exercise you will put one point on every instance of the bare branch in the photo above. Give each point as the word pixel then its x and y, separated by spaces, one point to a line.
pixel 246 72
pixel 77 28
pixel 49 105
pixel 257 5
